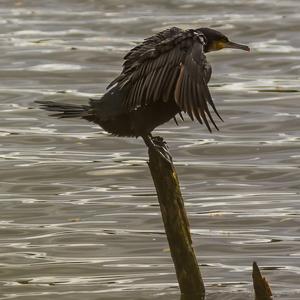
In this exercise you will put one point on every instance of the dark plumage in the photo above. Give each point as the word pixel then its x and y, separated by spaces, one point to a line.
pixel 163 76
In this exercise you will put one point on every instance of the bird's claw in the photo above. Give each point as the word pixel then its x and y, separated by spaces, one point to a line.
pixel 161 147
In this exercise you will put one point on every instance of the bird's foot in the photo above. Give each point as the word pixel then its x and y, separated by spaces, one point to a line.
pixel 162 148
pixel 158 144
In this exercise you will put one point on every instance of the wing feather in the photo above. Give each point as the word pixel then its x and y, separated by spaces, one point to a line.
pixel 160 80
pixel 193 88
pixel 207 96
pixel 171 84
pixel 195 72
pixel 169 66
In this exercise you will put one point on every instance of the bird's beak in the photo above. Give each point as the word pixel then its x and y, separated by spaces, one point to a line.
pixel 236 46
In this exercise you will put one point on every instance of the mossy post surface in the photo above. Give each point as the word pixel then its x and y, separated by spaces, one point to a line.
pixel 176 226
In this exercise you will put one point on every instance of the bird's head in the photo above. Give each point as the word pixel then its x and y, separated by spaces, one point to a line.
pixel 216 40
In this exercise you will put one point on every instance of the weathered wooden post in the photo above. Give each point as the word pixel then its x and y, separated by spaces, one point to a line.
pixel 176 226
pixel 261 285
pixel 178 233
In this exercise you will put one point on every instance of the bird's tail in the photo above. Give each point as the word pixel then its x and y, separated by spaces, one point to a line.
pixel 63 110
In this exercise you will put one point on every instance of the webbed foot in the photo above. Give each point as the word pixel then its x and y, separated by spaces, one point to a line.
pixel 158 144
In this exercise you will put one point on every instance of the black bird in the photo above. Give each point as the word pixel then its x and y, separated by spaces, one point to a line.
pixel 163 76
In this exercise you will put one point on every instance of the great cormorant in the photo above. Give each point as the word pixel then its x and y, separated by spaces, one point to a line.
pixel 163 76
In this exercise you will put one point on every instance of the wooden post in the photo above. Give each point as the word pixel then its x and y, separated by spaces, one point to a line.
pixel 261 285
pixel 176 226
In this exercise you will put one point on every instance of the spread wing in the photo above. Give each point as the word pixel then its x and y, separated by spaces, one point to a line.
pixel 169 66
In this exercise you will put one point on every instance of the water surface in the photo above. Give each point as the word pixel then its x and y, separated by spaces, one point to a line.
pixel 79 216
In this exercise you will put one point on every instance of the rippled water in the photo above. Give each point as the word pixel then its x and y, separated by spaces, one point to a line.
pixel 79 216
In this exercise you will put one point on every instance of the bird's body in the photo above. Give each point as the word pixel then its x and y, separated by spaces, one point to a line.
pixel 163 76
pixel 118 120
